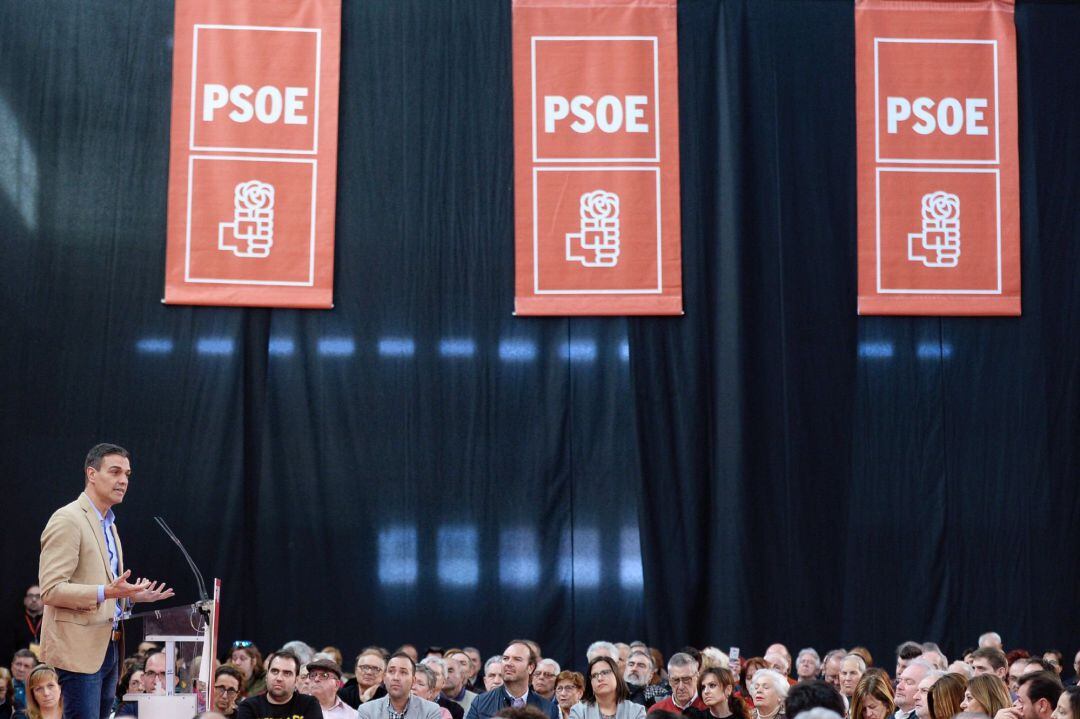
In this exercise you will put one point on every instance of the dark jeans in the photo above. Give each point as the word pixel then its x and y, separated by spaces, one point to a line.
pixel 90 696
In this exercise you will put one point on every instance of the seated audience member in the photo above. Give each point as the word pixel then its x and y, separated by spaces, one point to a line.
pixel 543 679
pixel 638 677
pixel 1036 664
pixel 624 654
pixel 7 690
pixel 455 687
pixel 601 649
pixel 228 683
pixel 852 669
pixel 714 657
pixel 864 654
pixel 368 682
pixel 905 653
pixel 769 690
pixel 22 663
pixel 749 667
pixel 438 666
pixel 519 662
pixel 962 668
pixel 324 679
pixel 1017 669
pixel 922 693
pixel 716 687
pixel 476 663
pixel 493 673
pixel 782 650
pixel 334 653
pixel 985 694
pixel 816 694
pixel 830 667
pixel 130 682
pixel 43 700
pixel 807 664
pixel 967 654
pixel 569 688
pixel 399 701
pixel 945 696
pixel 303 651
pixel 659 675
pixel 907 685
pixel 988 660
pixel 1068 705
pixel 606 694
pixel 409 649
pixel 1037 697
pixel 153 678
pixel 281 699
pixel 990 639
pixel 933 654
pixel 1055 659
pixel 246 657
pixel 779 663
pixel 873 697
pixel 424 683
pixel 682 676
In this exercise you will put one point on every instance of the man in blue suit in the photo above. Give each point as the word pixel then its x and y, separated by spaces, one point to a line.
pixel 519 662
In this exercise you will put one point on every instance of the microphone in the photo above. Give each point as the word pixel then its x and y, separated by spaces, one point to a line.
pixel 191 563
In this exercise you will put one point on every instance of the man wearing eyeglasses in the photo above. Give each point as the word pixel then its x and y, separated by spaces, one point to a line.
pixel 367 685
pixel 543 679
pixel 324 678
pixel 227 683
pixel 682 676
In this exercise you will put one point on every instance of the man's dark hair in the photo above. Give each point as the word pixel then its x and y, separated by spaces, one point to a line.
pixel 525 712
pixel 406 657
pixel 808 695
pixel 533 659
pixel 230 670
pixel 284 654
pixel 692 651
pixel 1042 685
pixel 99 451
pixel 23 654
pixel 1038 662
pixel 993 655
pixel 909 650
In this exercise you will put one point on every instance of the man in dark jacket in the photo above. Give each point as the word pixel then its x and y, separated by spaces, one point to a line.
pixel 519 662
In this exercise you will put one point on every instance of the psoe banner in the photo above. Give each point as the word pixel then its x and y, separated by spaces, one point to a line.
pixel 596 157
pixel 938 174
pixel 253 153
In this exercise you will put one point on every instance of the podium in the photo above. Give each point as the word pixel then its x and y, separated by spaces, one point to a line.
pixel 185 633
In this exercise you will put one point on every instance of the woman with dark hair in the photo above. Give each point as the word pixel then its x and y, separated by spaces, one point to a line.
pixel 985 694
pixel 945 696
pixel 716 686
pixel 606 695
pixel 873 697
pixel 246 657
pixel 748 669
pixel 1068 706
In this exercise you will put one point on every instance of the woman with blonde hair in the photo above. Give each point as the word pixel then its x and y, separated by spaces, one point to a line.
pixel 43 700
pixel 873 697
pixel 985 694
pixel 945 696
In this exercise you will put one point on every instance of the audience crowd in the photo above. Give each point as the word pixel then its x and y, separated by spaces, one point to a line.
pixel 622 681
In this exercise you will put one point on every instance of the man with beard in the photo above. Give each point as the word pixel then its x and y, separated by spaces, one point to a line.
pixel 281 700
pixel 1036 697
pixel 399 700
pixel 30 627
pixel 519 662
pixel 639 670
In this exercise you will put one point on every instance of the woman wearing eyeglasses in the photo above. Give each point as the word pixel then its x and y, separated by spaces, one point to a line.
pixel 228 681
pixel 606 695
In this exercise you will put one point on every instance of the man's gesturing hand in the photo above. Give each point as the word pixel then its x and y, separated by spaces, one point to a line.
pixel 154 592
pixel 120 588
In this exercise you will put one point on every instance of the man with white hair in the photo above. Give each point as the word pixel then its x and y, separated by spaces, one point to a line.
pixel 543 679
pixel 602 649
pixel 807 664
pixel 830 667
pixel 907 685
pixel 438 666
pixel 933 654
pixel 852 668
pixel 922 707
pixel 778 662
pixel 493 677
pixel 990 639
pixel 624 654
pixel 682 676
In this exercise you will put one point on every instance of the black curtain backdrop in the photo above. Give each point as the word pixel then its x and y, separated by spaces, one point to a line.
pixel 419 465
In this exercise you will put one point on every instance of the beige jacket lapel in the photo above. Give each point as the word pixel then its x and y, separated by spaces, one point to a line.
pixel 90 512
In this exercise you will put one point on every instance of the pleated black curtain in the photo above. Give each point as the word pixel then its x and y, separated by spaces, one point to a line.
pixel 419 465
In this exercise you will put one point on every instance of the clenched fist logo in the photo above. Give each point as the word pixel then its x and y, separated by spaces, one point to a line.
pixel 938 244
pixel 251 233
pixel 596 243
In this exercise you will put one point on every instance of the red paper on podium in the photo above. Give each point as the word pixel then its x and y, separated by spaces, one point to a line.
pixel 596 158
pixel 253 153
pixel 938 174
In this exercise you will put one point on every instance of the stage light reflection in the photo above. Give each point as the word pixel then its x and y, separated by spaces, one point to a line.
pixel 876 350
pixel 456 549
pixel 579 558
pixel 517 351
pixel 397 347
pixel 281 346
pixel 397 555
pixel 518 565
pixel 457 347
pixel 337 347
pixel 215 346
pixel 933 350
pixel 578 351
pixel 154 345
pixel 624 351
pixel 18 167
pixel 631 574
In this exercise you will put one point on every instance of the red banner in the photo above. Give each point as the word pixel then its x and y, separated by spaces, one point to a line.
pixel 596 157
pixel 938 174
pixel 253 153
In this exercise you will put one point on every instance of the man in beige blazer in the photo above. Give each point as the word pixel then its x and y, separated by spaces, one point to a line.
pixel 84 587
